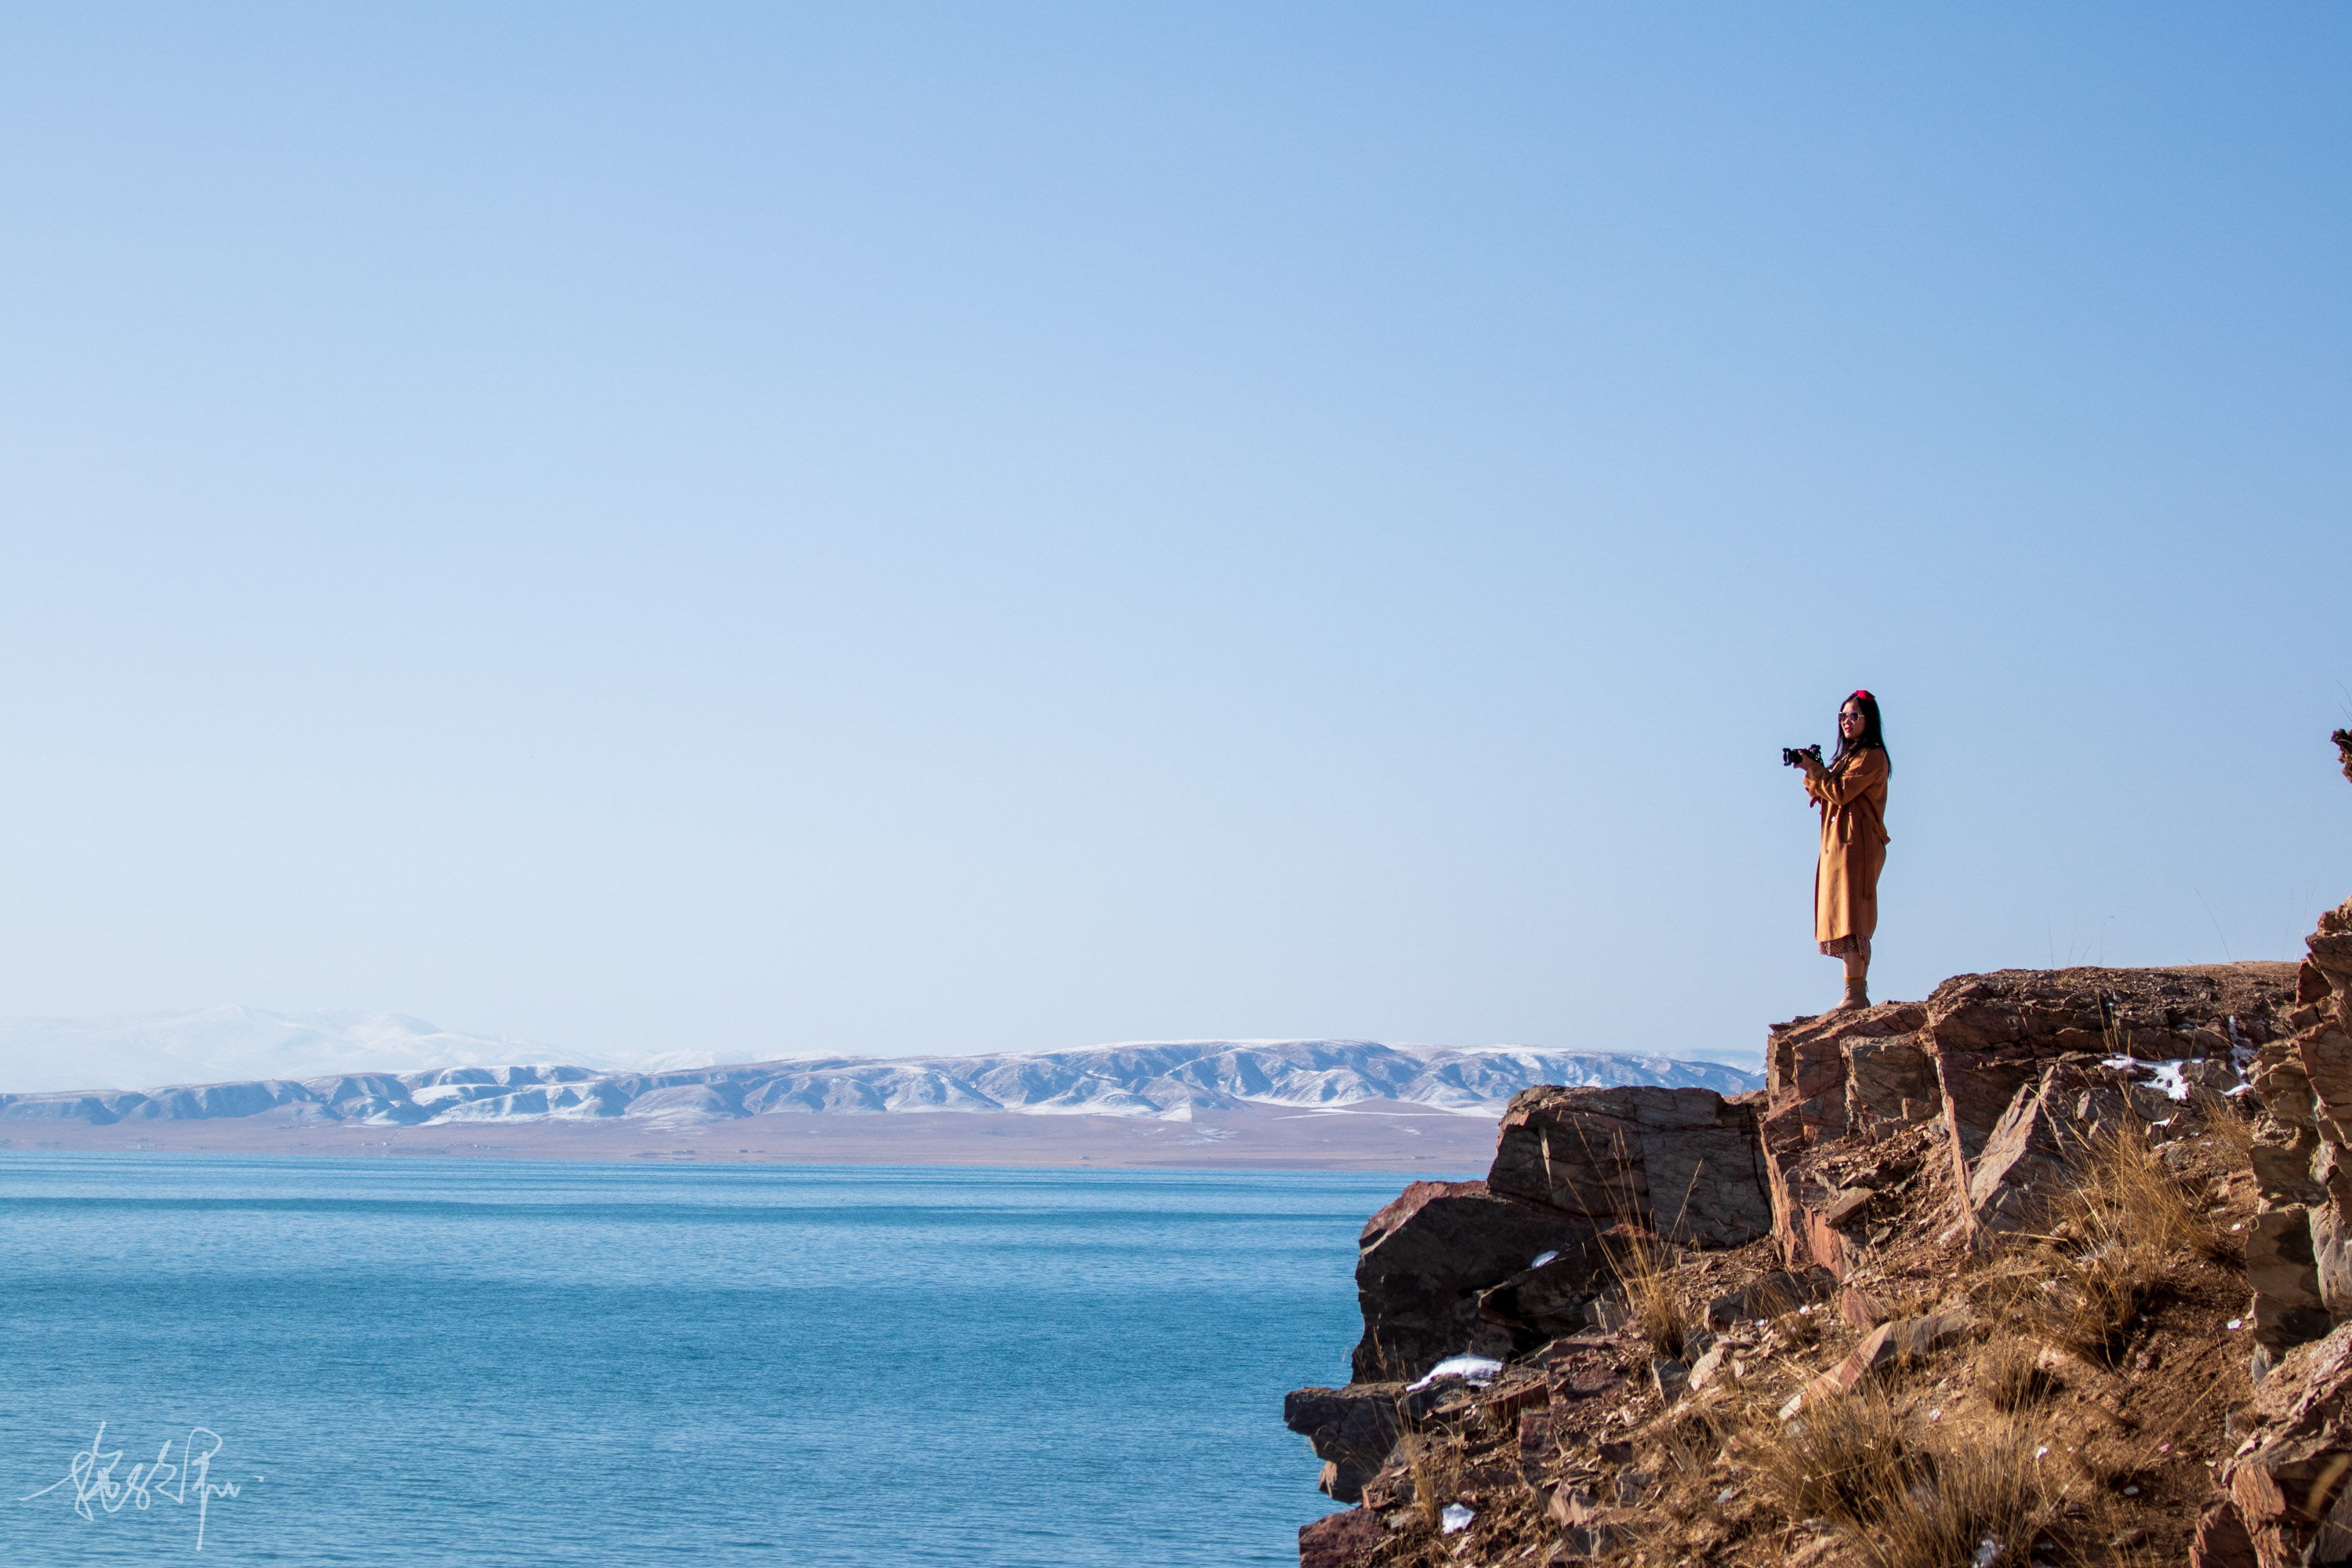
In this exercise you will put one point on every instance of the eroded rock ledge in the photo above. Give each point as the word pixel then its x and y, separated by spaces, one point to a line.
pixel 1941 1131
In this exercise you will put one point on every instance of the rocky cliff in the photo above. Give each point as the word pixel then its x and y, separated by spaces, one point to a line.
pixel 2044 1267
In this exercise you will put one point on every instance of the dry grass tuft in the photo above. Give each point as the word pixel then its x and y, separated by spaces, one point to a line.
pixel 1987 1489
pixel 2117 1235
pixel 2013 1375
pixel 1906 1503
pixel 1839 1461
pixel 1643 1266
pixel 1432 1465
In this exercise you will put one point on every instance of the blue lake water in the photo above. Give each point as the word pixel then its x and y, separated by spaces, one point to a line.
pixel 469 1362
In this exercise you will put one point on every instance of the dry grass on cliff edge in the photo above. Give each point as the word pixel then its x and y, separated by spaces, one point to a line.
pixel 1904 1498
pixel 2118 1233
pixel 1643 1266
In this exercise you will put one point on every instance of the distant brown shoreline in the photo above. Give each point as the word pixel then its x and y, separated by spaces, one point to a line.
pixel 1374 1135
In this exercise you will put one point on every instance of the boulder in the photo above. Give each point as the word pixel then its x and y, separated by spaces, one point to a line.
pixel 1423 1261
pixel 1353 1429
pixel 1683 1162
pixel 2028 1159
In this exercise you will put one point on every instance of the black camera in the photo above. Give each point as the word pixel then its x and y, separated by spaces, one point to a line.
pixel 1788 755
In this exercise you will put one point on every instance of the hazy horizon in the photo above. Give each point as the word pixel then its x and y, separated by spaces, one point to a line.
pixel 235 1043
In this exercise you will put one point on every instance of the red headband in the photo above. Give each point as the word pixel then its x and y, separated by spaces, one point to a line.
pixel 1865 695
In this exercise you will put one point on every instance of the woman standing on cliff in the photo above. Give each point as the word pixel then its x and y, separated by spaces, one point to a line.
pixel 1851 793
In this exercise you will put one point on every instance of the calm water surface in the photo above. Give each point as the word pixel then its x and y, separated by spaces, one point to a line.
pixel 483 1362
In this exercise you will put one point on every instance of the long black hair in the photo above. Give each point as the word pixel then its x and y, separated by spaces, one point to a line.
pixel 1873 738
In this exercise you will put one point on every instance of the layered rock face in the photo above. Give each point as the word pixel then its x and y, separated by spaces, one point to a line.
pixel 1498 1268
pixel 1685 1163
pixel 2027 1068
pixel 1351 1429
pixel 2015 1070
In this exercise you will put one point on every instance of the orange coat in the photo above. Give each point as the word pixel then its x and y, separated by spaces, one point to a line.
pixel 1853 798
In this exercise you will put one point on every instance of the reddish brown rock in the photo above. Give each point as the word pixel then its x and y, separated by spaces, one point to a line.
pixel 2331 953
pixel 2299 1256
pixel 1845 1205
pixel 1422 1260
pixel 1992 1035
pixel 1849 1071
pixel 2325 1054
pixel 1580 1367
pixel 1592 1528
pixel 2331 1250
pixel 1978 1089
pixel 2283 1157
pixel 2028 1159
pixel 1771 1296
pixel 1807 1240
pixel 1860 1307
pixel 1715 1361
pixel 2288 1483
pixel 1973 1052
pixel 2221 1539
pixel 2282 1272
pixel 1340 1539
pixel 1821 1204
pixel 1995 1030
pixel 1685 1163
pixel 1891 1081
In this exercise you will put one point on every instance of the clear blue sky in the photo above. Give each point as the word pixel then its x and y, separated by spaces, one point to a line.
pixel 892 529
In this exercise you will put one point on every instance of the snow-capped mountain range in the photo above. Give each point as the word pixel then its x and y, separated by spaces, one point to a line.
pixel 1169 1081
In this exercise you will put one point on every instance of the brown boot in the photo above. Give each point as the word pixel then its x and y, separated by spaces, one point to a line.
pixel 1857 994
